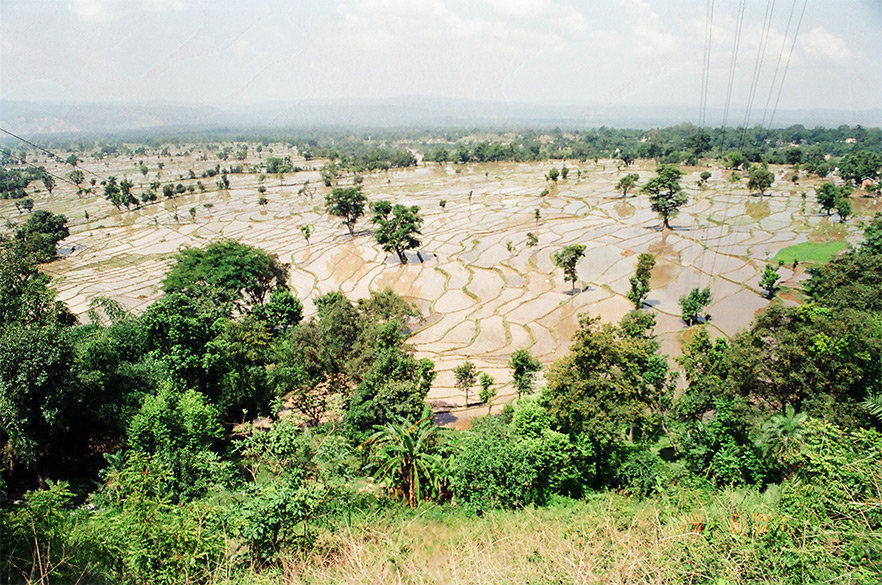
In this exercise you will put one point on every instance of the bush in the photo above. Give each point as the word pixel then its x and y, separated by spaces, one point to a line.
pixel 493 470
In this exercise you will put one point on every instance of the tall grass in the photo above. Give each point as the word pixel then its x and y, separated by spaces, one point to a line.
pixel 725 537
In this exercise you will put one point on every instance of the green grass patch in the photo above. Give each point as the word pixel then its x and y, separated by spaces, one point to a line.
pixel 810 252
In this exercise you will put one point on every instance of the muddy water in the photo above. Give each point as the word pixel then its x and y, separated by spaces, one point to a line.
pixel 515 298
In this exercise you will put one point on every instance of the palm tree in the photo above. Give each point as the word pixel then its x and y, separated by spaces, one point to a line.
pixel 873 404
pixel 409 457
pixel 782 436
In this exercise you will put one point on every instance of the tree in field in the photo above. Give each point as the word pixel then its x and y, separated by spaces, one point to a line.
pixel 72 160
pixel 347 203
pixel 857 166
pixel 407 457
pixel 704 177
pixel 125 193
pixel 397 228
pixel 523 367
pixel 466 375
pixel 552 175
pixel 665 193
pixel 640 281
pixel 566 259
pixel 828 194
pixel 627 183
pixel 306 230
pixel 112 192
pixel 532 240
pixel 769 281
pixel 77 177
pixel 234 270
pixel 694 303
pixel 28 204
pixel 760 179
pixel 843 205
pixel 48 182
pixel 488 392
pixel 736 159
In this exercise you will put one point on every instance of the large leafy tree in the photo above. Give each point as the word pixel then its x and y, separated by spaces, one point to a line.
pixel 851 281
pixel 599 388
pixel 394 387
pixel 872 243
pixel 665 193
pixel 38 399
pixel 760 179
pixel 829 195
pixel 42 232
pixel 25 295
pixel 705 364
pixel 346 203
pixel 566 259
pixel 819 360
pixel 237 271
pixel 397 227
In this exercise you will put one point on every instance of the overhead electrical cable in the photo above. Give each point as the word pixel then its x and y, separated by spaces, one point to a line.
pixel 787 63
pixel 39 168
pixel 738 27
pixel 778 63
pixel 50 153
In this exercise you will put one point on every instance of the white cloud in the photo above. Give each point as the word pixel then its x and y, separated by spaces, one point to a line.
pixel 650 35
pixel 821 44
pixel 94 10
pixel 243 48
pixel 98 11
pixel 566 18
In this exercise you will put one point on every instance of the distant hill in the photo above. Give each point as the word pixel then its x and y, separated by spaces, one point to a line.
pixel 414 111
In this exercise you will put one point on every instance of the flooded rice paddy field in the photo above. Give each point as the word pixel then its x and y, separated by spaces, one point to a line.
pixel 481 301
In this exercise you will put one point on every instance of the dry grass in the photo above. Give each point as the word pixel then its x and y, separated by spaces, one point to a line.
pixel 609 539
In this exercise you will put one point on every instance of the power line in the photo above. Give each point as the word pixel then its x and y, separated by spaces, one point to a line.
pixel 702 114
pixel 778 63
pixel 787 64
pixel 734 60
pixel 50 153
pixel 757 68
pixel 42 169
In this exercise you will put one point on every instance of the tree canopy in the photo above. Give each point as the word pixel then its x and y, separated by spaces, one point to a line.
pixel 665 193
pixel 397 227
pixel 346 203
pixel 243 273
pixel 566 259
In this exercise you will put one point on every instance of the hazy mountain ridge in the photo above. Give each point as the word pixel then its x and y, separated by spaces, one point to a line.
pixel 60 118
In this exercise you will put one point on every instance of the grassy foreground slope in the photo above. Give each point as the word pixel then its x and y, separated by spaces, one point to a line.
pixel 696 536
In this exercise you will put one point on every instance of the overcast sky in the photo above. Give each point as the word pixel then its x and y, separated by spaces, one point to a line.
pixel 231 54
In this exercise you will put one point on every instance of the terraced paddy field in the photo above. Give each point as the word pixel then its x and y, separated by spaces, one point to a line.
pixel 481 296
